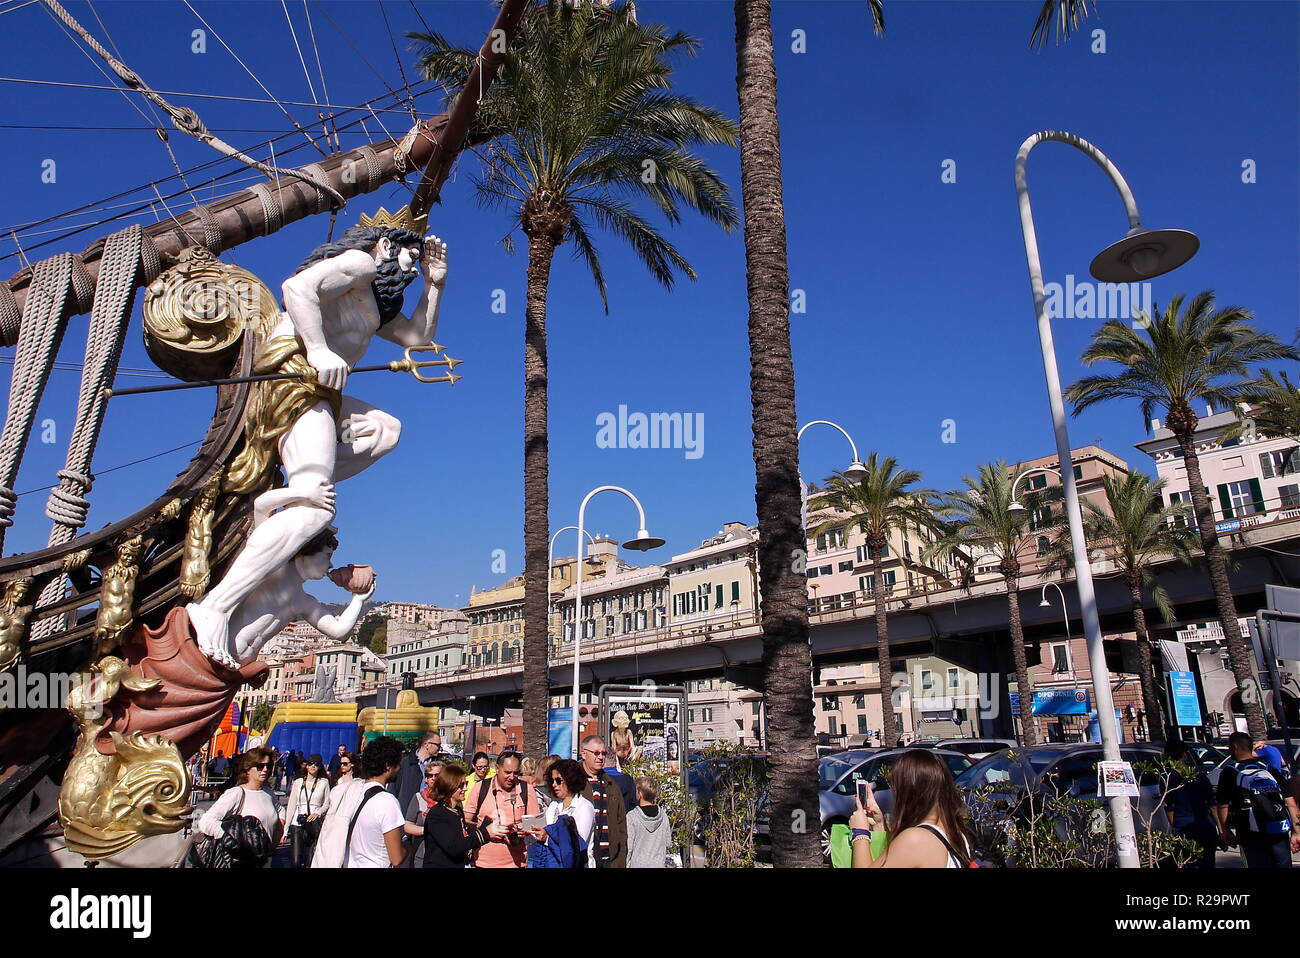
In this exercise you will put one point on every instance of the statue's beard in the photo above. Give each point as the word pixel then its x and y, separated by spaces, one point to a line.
pixel 389 288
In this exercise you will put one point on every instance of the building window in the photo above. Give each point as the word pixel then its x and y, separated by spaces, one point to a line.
pixel 830 703
pixel 862 724
pixel 1078 473
pixel 1290 496
pixel 953 682
pixel 927 680
pixel 609 625
pixel 1061 658
pixel 860 702
pixel 1038 481
pixel 844 566
pixel 1244 498
pixel 1283 462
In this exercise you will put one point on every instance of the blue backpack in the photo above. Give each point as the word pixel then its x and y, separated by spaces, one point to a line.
pixel 563 847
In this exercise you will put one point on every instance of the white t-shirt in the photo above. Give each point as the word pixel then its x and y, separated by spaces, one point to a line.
pixel 380 815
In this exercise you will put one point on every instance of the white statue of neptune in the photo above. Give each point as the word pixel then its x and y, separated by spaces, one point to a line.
pixel 340 297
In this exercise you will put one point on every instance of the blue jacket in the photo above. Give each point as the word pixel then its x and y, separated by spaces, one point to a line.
pixel 562 848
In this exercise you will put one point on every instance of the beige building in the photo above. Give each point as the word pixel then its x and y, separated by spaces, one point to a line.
pixel 625 604
pixel 413 613
pixel 716 585
pixel 496 616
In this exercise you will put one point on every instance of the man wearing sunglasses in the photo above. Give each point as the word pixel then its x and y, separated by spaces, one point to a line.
pixel 611 811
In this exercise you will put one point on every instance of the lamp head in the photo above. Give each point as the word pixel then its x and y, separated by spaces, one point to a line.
pixel 1143 254
pixel 1015 506
pixel 1044 604
pixel 643 542
pixel 856 471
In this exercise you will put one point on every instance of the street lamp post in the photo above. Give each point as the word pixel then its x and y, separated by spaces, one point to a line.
pixel 550 562
pixel 855 470
pixel 643 542
pixel 1140 255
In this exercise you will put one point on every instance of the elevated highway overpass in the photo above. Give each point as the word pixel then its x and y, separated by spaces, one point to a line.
pixel 966 626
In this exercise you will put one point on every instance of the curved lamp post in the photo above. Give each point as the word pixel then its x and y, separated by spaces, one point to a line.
pixel 855 470
pixel 1065 614
pixel 1015 505
pixel 1140 255
pixel 643 542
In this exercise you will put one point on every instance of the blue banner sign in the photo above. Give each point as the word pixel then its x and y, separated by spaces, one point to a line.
pixel 1055 702
pixel 1182 689
pixel 559 731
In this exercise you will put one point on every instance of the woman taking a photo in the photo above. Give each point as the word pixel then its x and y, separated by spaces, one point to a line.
pixel 448 842
pixel 251 796
pixel 309 799
pixel 929 822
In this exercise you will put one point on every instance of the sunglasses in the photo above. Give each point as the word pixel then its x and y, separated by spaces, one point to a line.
pixel 596 752
pixel 262 765
pixel 557 781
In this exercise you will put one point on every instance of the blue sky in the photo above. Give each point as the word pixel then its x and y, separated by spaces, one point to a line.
pixel 917 304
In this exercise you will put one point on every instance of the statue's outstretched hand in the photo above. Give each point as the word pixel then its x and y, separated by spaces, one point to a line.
pixel 331 368
pixel 434 260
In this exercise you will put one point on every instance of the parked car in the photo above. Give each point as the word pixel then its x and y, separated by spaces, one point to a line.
pixel 976 748
pixel 1009 775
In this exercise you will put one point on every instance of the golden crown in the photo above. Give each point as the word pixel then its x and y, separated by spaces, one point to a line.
pixel 403 219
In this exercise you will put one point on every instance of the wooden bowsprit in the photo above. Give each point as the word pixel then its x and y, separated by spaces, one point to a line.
pixel 408 364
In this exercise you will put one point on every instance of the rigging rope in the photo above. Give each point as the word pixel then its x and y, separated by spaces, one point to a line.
pixel 183 118
pixel 125 255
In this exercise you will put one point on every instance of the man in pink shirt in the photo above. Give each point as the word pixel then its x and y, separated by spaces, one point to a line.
pixel 505 800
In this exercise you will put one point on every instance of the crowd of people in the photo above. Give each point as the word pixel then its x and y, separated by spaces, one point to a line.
pixel 417 809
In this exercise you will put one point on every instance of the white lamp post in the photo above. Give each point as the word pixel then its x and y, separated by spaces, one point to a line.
pixel 1140 255
pixel 1065 613
pixel 550 562
pixel 643 542
pixel 855 470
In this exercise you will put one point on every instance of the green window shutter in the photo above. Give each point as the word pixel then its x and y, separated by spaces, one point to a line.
pixel 1225 500
pixel 735 591
pixel 718 604
pixel 1257 494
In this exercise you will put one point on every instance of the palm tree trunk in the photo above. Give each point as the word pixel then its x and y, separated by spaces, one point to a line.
pixel 1028 734
pixel 889 723
pixel 1239 655
pixel 1146 659
pixel 537 577
pixel 787 656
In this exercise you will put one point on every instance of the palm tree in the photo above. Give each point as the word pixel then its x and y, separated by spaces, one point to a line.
pixel 787 657
pixel 1274 409
pixel 1188 353
pixel 1068 15
pixel 979 518
pixel 580 124
pixel 881 503
pixel 1134 529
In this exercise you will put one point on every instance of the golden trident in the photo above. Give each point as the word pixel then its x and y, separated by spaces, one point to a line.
pixel 408 364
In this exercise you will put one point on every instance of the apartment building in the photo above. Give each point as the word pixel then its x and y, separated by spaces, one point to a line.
pixel 352 666
pixel 1249 479
pixel 496 616
pixel 721 711
pixel 421 648
pixel 715 584
pixel 624 604
pixel 413 613
pixel 846 706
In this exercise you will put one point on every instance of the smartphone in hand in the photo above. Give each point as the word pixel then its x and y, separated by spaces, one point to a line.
pixel 864 793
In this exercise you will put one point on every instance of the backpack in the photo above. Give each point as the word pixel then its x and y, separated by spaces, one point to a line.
pixel 1263 805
